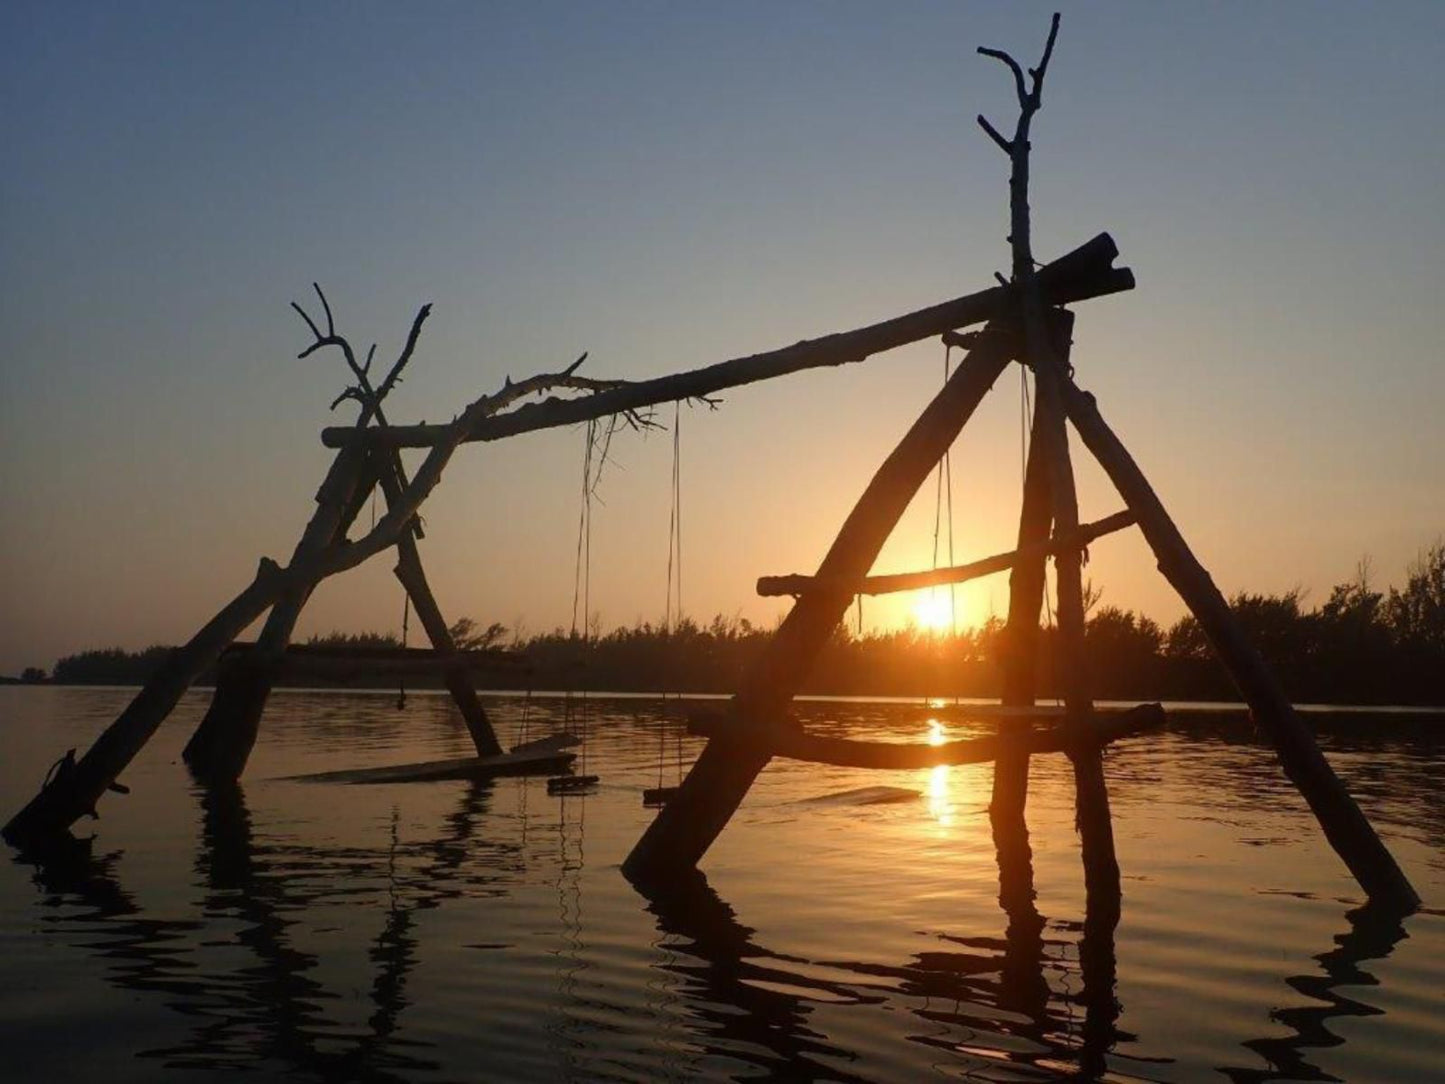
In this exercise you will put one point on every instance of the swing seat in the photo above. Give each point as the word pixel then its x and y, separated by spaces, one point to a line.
pixel 657 797
pixel 518 762
pixel 573 784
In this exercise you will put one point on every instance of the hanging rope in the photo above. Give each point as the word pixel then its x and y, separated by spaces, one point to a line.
pixel 672 604
pixel 405 624
pixel 582 586
pixel 524 724
pixel 943 498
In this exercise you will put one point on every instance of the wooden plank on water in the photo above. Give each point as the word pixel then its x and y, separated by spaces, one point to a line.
pixel 545 760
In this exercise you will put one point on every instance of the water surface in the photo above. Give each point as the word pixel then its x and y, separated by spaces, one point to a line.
pixel 461 931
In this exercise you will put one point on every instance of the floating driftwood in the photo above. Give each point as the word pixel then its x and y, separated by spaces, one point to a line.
pixel 863 796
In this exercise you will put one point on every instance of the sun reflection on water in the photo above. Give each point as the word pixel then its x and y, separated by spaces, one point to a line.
pixel 940 805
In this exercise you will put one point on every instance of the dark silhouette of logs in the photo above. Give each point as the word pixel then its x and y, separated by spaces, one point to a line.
pixel 1345 826
pixel 722 774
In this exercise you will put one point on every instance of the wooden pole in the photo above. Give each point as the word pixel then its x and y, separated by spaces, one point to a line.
pixel 1091 794
pixel 391 473
pixel 1344 825
pixel 1030 554
pixel 722 774
pixel 1047 337
pixel 1020 674
pixel 458 680
pixel 222 743
pixel 74 793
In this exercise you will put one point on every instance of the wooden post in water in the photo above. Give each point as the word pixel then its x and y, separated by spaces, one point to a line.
pixel 1020 674
pixel 222 743
pixel 1091 794
pixel 458 680
pixel 1047 334
pixel 1344 825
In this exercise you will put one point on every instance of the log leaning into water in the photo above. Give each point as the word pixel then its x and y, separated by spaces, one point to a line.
pixel 73 794
pixel 1076 276
pixel 1034 553
pixel 1344 825
pixel 787 741
pixel 458 680
pixel 65 800
pixel 722 774
pixel 222 743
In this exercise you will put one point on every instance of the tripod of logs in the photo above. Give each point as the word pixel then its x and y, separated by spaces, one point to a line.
pixel 1030 325
pixel 1023 319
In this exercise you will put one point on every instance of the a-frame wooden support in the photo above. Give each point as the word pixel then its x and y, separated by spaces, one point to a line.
pixel 222 743
pixel 725 770
pixel 1040 338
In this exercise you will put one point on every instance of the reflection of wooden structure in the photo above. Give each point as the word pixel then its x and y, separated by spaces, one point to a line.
pixel 1023 319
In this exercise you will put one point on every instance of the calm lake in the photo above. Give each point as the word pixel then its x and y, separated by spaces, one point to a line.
pixel 461 931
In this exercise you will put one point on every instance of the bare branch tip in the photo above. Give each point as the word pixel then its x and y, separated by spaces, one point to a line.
pixel 326 305
pixel 994 134
pixel 309 322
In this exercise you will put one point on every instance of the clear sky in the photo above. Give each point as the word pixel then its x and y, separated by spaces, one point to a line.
pixel 668 185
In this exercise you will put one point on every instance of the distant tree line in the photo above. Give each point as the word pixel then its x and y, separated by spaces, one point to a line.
pixel 1359 646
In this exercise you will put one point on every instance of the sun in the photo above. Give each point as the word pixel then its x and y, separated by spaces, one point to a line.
pixel 933 612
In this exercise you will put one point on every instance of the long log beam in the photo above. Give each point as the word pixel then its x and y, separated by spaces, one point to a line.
pixel 797 744
pixel 1344 825
pixel 1084 273
pixel 795 584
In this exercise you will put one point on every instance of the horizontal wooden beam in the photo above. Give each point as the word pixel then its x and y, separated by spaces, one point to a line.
pixel 769 586
pixel 796 744
pixel 1084 273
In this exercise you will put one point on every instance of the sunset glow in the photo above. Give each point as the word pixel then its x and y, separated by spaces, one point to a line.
pixel 934 611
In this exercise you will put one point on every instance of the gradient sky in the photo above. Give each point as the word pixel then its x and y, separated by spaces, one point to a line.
pixel 669 185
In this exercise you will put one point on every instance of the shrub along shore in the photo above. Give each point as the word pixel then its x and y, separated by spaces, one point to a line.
pixel 1359 646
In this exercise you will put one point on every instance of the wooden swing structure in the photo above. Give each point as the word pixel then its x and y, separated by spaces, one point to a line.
pixel 1024 318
